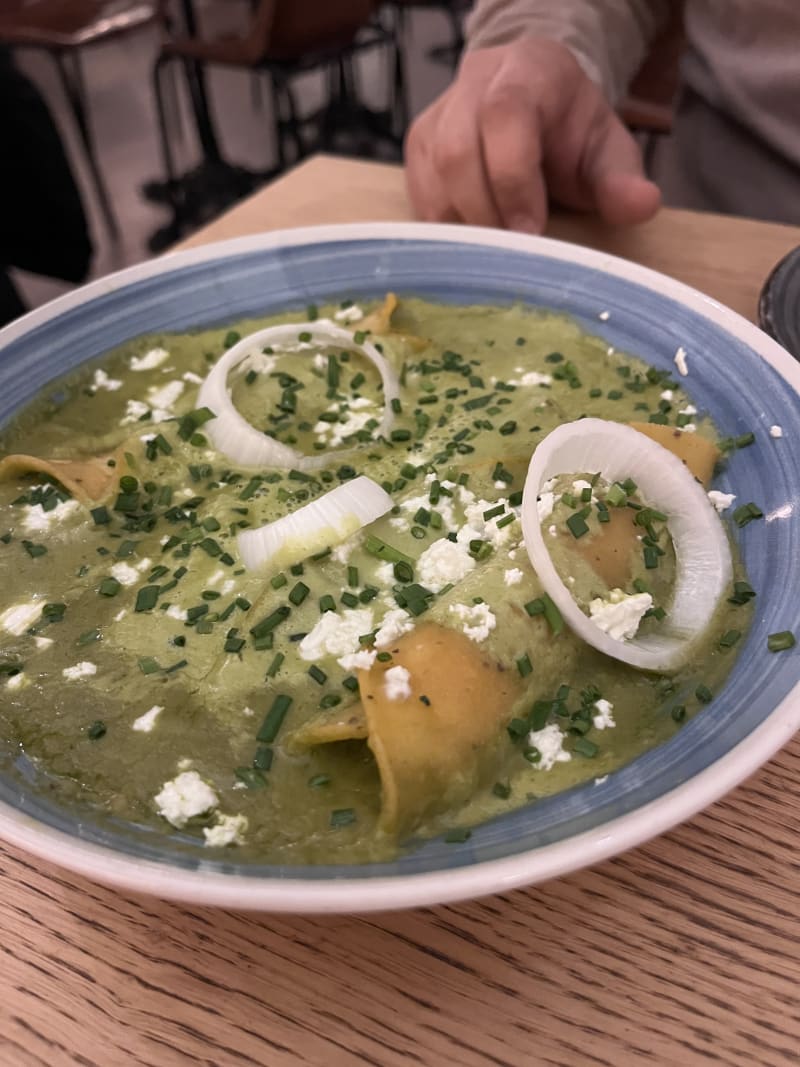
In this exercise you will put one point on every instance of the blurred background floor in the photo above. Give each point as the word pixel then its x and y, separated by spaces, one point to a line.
pixel 122 115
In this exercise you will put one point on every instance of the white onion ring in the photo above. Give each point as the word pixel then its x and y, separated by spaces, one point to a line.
pixel 241 442
pixel 702 553
pixel 326 521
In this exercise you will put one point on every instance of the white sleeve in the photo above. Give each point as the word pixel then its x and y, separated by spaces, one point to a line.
pixel 609 38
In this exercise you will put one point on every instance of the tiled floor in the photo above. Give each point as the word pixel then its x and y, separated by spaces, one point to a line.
pixel 123 118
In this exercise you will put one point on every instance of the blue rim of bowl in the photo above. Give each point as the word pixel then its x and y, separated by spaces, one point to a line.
pixel 499 266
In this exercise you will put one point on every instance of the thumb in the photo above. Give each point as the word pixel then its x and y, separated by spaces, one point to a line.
pixel 613 175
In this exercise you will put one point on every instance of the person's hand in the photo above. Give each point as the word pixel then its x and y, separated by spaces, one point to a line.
pixel 522 122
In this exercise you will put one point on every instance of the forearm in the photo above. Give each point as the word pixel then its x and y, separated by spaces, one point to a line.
pixel 609 38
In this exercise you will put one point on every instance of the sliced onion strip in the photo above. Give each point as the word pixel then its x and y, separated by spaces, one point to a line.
pixel 702 553
pixel 240 441
pixel 325 522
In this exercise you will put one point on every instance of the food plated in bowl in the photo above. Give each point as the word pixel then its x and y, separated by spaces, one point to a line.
pixel 236 789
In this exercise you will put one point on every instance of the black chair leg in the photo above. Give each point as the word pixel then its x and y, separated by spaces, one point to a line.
pixel 159 72
pixel 75 93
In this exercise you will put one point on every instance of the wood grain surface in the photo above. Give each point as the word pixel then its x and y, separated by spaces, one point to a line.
pixel 682 952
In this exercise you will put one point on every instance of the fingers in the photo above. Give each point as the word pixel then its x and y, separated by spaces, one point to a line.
pixel 445 172
pixel 520 123
pixel 613 169
pixel 511 151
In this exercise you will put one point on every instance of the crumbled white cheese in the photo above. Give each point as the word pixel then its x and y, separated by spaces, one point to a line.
pixel 37 520
pixel 444 563
pixel 689 428
pixel 384 574
pixel 480 529
pixel 394 624
pixel 599 781
pixel 217 576
pixel 776 431
pixel 84 669
pixel 549 743
pixel 620 613
pixel 184 797
pixel 124 573
pixel 396 683
pixel 146 722
pixel 192 378
pixel 546 500
pixel 120 615
pixel 351 420
pixel 353 313
pixel 335 634
pixel 667 394
pixel 150 360
pixel 185 764
pixel 513 576
pixel 20 617
pixel 43 642
pixel 102 381
pixel 603 718
pixel 690 409
pixel 342 552
pixel 604 316
pixel 227 587
pixel 134 411
pixel 164 397
pixel 720 500
pixel 358 661
pixel 680 361
pixel 249 712
pixel 532 377
pixel 17 681
pixel 227 830
pixel 478 620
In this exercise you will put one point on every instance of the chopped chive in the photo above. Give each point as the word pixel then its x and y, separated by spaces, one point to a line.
pixel 584 747
pixel 326 603
pixel 729 638
pixel 577 525
pixel 403 571
pixel 351 683
pixel 148 665
pixel 251 777
pixel 319 676
pixel 318 781
pixel 146 598
pixel 650 557
pixel 262 760
pixel 524 665
pixel 501 790
pixel 299 593
pixel 746 513
pixel 457 836
pixel 270 622
pixel 678 713
pixel 704 694
pixel 352 576
pixel 553 615
pixel 100 515
pixel 535 607
pixel 376 547
pixel 234 644
pixel 780 642
pixel 273 720
pixel 109 587
pixel 492 513
pixel 88 637
pixel 96 730
pixel 275 666
pixel 340 817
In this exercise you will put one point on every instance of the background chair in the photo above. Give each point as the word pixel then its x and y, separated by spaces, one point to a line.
pixel 62 28
pixel 285 38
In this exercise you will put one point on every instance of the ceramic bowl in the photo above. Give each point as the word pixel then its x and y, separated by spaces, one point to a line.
pixel 737 373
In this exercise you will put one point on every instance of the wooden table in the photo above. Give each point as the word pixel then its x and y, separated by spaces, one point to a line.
pixel 686 951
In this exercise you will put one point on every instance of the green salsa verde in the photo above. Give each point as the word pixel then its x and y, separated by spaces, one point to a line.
pixel 154 679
